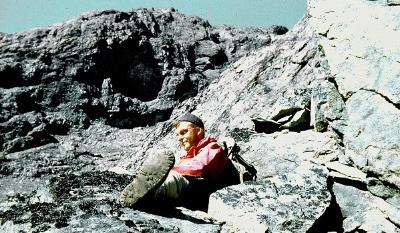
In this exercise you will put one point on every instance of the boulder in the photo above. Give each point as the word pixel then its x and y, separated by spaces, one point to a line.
pixel 364 212
pixel 371 137
pixel 294 201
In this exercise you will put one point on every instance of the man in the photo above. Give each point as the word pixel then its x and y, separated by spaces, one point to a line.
pixel 204 162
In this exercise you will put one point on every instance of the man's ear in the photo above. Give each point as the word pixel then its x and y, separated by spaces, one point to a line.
pixel 200 132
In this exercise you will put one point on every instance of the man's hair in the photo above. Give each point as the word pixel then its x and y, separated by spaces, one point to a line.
pixel 188 117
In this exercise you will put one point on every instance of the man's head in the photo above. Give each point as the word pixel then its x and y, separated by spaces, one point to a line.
pixel 190 130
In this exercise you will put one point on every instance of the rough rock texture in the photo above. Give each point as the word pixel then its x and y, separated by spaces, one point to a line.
pixel 315 109
pixel 290 202
pixel 364 212
pixel 127 69
pixel 365 68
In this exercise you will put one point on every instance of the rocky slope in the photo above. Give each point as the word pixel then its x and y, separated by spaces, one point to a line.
pixel 315 109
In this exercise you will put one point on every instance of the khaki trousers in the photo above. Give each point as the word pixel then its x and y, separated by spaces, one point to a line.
pixel 172 187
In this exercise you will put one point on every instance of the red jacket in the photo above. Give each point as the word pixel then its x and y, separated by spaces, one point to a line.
pixel 207 160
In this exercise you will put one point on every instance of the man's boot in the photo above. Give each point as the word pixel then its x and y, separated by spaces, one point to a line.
pixel 150 176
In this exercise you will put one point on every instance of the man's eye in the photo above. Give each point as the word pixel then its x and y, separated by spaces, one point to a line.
pixel 181 133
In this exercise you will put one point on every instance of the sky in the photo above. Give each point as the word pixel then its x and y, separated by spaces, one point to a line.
pixel 22 15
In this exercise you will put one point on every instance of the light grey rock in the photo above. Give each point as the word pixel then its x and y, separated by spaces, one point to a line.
pixel 207 48
pixel 282 152
pixel 277 83
pixel 285 203
pixel 346 172
pixel 361 211
pixel 107 219
pixel 327 106
pixel 212 74
pixel 203 63
pixel 9 226
pixel 186 221
pixel 371 137
pixel 239 42
pixel 359 56
pixel 364 67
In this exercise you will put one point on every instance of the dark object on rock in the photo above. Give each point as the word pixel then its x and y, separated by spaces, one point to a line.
pixel 266 126
pixel 279 30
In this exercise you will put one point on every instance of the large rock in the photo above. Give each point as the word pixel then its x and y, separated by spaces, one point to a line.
pixel 364 212
pixel 372 136
pixel 286 203
pixel 365 68
pixel 282 152
pixel 362 49
pixel 61 188
pixel 286 177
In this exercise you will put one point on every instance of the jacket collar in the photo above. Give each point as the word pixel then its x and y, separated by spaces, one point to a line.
pixel 195 150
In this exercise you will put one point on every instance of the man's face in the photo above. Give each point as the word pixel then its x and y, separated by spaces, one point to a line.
pixel 188 134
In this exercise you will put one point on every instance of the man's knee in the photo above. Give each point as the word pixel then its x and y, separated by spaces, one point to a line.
pixel 172 187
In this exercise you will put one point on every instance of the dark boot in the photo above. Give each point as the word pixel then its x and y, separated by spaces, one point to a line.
pixel 150 176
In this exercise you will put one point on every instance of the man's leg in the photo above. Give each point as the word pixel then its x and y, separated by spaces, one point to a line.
pixel 152 173
pixel 172 188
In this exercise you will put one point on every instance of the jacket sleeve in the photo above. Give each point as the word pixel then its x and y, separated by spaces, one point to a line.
pixel 209 162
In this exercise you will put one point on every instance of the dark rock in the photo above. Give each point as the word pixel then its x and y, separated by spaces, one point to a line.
pixel 25 131
pixel 393 2
pixel 11 76
pixel 25 103
pixel 266 126
pixel 279 30
pixel 299 121
pixel 125 68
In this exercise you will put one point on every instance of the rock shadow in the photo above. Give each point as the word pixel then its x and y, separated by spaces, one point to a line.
pixel 131 64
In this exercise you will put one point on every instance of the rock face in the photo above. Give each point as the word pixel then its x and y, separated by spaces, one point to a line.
pixel 315 109
pixel 125 69
pixel 365 69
